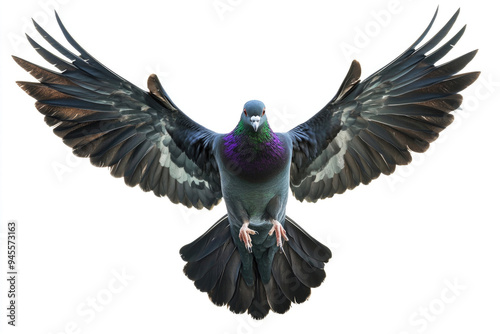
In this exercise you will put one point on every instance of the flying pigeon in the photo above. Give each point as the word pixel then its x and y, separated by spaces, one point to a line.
pixel 255 258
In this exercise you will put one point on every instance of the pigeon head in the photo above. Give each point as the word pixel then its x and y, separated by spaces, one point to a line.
pixel 254 114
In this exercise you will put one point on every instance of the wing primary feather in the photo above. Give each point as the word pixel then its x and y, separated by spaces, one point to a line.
pixel 115 123
pixel 59 63
pixel 77 61
pixel 408 51
pixel 42 74
pixel 86 56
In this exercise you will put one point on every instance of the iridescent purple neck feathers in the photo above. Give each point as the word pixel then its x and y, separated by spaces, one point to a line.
pixel 253 152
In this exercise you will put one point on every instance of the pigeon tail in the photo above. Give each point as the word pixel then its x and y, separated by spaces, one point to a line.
pixel 214 264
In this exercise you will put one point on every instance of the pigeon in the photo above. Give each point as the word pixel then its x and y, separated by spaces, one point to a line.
pixel 255 258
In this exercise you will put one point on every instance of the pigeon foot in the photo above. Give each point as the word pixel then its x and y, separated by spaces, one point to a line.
pixel 244 235
pixel 280 233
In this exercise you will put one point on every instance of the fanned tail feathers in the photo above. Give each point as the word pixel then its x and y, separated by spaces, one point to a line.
pixel 214 265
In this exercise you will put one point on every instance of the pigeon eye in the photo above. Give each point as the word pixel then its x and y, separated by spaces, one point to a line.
pixel 263 111
pixel 245 111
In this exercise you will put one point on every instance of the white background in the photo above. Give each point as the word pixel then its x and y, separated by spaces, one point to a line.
pixel 396 242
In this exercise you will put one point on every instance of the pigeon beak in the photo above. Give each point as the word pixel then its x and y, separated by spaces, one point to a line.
pixel 255 120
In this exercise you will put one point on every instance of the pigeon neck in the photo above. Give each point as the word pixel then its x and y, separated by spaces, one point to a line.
pixel 256 155
pixel 262 135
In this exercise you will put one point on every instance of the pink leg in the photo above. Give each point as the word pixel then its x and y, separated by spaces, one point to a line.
pixel 280 233
pixel 245 233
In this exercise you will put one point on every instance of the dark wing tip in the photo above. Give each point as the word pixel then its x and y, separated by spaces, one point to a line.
pixel 33 43
pixel 23 63
pixel 57 17
pixel 18 60
pixel 350 80
pixel 156 89
pixel 356 68
pixel 35 23
pixel 469 78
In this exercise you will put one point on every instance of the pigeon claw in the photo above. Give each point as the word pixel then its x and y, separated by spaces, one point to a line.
pixel 245 237
pixel 280 233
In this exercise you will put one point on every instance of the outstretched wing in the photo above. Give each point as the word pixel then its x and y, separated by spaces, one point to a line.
pixel 142 136
pixel 369 127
